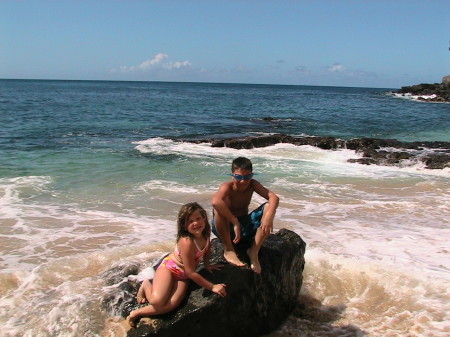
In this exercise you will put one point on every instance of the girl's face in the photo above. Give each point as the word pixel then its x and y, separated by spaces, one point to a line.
pixel 195 224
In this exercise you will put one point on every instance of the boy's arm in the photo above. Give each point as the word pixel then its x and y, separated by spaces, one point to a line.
pixel 221 207
pixel 271 207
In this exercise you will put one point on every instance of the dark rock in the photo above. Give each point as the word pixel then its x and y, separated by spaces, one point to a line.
pixel 117 274
pixel 441 90
pixel 255 304
pixel 364 161
pixel 379 151
pixel 437 160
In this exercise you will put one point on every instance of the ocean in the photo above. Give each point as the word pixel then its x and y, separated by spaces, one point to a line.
pixel 93 173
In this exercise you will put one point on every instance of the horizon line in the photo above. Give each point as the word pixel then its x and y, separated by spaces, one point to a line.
pixel 193 82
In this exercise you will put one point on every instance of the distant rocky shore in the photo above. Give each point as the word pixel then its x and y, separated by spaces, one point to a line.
pixel 435 92
pixel 388 152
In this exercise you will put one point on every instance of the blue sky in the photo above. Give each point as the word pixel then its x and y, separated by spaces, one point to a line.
pixel 362 43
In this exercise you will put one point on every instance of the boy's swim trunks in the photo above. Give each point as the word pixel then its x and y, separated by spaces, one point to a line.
pixel 249 224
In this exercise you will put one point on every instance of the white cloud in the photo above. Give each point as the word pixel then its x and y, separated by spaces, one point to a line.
pixel 155 62
pixel 176 65
pixel 337 68
pixel 157 59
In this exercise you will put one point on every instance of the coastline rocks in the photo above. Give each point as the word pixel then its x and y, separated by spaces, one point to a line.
pixel 326 143
pixel 436 92
pixel 434 155
pixel 254 305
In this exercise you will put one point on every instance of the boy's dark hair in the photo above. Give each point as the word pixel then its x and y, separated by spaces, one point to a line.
pixel 241 163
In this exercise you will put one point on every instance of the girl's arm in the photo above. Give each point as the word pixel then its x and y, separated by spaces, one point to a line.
pixel 187 248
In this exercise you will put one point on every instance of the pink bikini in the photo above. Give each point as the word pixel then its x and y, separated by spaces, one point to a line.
pixel 177 271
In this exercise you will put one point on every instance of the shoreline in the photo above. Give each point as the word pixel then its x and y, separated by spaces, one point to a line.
pixel 426 92
pixel 387 152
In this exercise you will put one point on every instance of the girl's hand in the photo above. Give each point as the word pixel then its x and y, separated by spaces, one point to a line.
pixel 219 289
pixel 213 267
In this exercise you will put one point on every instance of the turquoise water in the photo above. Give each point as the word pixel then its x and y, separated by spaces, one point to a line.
pixel 90 178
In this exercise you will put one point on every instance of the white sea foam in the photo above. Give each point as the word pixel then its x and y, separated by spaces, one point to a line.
pixel 171 186
pixel 373 234
pixel 282 155
pixel 163 146
pixel 63 297
pixel 412 97
pixel 400 230
pixel 374 297
pixel 40 230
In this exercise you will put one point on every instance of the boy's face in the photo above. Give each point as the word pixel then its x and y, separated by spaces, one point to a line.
pixel 241 178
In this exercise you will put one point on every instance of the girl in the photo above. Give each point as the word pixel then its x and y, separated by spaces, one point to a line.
pixel 170 280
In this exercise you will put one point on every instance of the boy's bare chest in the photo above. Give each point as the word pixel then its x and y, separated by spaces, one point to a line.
pixel 240 199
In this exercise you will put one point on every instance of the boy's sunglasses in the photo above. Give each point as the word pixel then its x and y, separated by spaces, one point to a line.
pixel 238 177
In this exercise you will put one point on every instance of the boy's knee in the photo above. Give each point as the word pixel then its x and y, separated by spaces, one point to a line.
pixel 220 222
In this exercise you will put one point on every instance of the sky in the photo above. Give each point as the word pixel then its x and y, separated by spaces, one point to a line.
pixel 355 43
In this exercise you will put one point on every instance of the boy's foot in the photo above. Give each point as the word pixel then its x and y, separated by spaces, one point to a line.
pixel 232 258
pixel 254 261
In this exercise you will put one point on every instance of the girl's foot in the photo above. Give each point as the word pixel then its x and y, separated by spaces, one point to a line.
pixel 140 297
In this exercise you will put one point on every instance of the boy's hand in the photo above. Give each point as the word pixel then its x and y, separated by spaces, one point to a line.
pixel 266 227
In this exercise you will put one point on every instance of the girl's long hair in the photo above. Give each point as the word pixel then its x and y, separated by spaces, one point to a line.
pixel 183 216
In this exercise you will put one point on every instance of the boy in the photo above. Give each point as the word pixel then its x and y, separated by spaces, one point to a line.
pixel 230 204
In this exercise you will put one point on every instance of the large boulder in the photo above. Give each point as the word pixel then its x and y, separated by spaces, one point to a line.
pixel 254 305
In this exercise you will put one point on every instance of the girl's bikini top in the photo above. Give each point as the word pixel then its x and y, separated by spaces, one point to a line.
pixel 198 253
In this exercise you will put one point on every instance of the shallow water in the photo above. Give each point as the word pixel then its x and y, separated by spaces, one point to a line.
pixel 89 179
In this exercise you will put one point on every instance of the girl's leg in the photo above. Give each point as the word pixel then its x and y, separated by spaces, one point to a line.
pixel 167 295
pixel 144 292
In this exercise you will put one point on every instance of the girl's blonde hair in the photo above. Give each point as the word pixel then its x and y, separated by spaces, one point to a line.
pixel 183 216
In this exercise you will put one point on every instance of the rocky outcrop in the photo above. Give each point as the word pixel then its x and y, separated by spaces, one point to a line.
pixel 255 304
pixel 434 155
pixel 435 92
